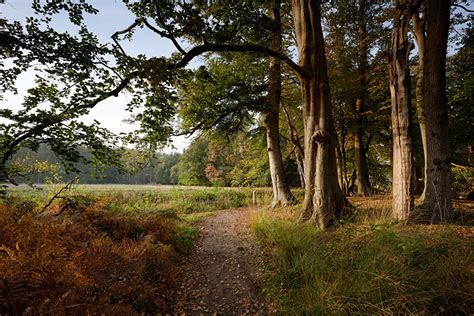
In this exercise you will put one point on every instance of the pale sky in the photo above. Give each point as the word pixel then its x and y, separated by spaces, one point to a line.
pixel 112 16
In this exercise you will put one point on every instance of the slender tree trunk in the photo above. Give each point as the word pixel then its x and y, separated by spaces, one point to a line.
pixel 281 190
pixel 420 39
pixel 362 172
pixel 399 74
pixel 340 174
pixel 437 198
pixel 324 201
pixel 344 164
pixel 300 168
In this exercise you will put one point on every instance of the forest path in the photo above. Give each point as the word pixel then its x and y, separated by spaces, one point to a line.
pixel 222 274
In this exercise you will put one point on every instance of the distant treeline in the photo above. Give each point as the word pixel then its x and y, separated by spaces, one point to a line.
pixel 205 162
pixel 137 169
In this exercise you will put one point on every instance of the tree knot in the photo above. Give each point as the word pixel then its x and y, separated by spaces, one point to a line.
pixel 320 136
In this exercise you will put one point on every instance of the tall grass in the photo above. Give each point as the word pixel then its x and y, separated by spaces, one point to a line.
pixel 367 268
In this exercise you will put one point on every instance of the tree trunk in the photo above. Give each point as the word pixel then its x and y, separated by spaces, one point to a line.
pixel 340 172
pixel 344 163
pixel 324 201
pixel 300 168
pixel 362 172
pixel 437 198
pixel 281 190
pixel 420 39
pixel 399 74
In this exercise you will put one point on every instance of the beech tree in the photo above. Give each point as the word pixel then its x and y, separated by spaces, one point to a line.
pixel 400 91
pixel 431 28
pixel 281 190
pixel 239 93
pixel 324 202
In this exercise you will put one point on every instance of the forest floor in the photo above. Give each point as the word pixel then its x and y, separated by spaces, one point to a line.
pixel 222 274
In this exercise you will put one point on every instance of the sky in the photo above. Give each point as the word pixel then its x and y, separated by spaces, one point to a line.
pixel 112 16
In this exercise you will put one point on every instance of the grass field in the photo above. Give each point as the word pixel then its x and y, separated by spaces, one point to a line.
pixel 368 265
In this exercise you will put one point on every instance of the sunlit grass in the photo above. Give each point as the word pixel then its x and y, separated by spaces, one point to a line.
pixel 369 265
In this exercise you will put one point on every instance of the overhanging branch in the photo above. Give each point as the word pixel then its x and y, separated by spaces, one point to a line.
pixel 244 48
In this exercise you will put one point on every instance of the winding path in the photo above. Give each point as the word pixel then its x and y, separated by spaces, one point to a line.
pixel 222 275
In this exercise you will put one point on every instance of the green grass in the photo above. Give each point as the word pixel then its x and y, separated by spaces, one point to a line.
pixel 143 199
pixel 366 268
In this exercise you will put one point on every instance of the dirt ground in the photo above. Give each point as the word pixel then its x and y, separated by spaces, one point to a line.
pixel 222 275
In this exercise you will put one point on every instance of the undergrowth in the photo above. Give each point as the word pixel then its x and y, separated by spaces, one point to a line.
pixel 110 253
pixel 366 267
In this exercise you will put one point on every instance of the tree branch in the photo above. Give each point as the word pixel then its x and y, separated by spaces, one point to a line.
pixel 169 34
pixel 462 7
pixel 166 35
pixel 124 31
pixel 244 48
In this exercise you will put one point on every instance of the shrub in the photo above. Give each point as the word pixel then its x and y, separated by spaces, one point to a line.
pixel 91 262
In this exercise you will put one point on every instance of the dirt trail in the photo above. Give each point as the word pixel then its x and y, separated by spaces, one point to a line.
pixel 222 275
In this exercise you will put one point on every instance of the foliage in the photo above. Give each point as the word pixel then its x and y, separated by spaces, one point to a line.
pixel 164 168
pixel 68 81
pixel 87 262
pixel 460 90
pixel 193 162
pixel 223 96
pixel 138 167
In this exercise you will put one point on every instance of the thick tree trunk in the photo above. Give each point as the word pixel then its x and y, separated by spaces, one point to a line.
pixel 420 39
pixel 281 190
pixel 324 200
pixel 399 74
pixel 437 197
pixel 362 172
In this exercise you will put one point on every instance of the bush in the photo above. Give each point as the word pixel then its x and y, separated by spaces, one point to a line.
pixel 92 262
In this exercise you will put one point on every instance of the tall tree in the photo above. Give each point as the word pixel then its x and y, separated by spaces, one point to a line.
pixel 324 201
pixel 419 24
pixel 437 194
pixel 281 190
pixel 400 91
pixel 360 151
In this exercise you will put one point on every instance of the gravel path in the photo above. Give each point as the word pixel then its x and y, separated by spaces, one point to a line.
pixel 222 274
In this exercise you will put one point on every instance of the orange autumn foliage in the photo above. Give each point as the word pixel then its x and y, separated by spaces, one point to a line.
pixel 85 262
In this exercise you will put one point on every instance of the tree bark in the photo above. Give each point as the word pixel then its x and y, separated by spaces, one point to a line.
pixel 399 75
pixel 324 201
pixel 281 190
pixel 437 197
pixel 362 172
